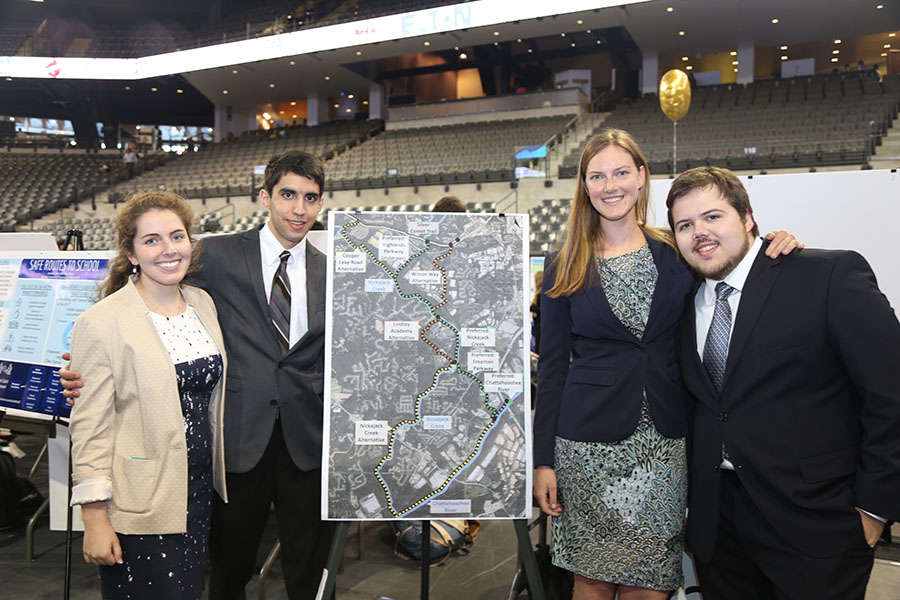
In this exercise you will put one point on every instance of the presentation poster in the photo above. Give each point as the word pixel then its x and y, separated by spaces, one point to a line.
pixel 41 294
pixel 427 396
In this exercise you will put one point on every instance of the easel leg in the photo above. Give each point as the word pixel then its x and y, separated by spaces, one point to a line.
pixel 529 562
pixel 335 554
pixel 426 558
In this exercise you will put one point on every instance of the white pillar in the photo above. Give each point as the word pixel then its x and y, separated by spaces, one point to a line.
pixel 316 109
pixel 377 105
pixel 235 120
pixel 745 56
pixel 650 73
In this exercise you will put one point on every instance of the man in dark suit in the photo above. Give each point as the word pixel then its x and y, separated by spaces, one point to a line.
pixel 273 402
pixel 794 366
pixel 268 285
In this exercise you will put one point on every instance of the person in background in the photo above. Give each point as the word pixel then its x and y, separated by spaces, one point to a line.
pixel 611 414
pixel 130 158
pixel 147 445
pixel 449 204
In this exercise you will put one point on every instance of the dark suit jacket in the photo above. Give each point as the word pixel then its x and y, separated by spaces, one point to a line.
pixel 598 397
pixel 259 378
pixel 810 405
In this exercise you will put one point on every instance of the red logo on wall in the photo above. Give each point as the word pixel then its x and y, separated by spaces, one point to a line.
pixel 53 69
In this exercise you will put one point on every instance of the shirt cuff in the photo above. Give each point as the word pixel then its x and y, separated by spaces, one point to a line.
pixel 882 519
pixel 92 489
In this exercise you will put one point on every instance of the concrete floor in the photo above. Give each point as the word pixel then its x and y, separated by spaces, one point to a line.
pixel 484 573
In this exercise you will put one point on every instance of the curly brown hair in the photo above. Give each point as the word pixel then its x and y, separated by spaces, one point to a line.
pixel 120 268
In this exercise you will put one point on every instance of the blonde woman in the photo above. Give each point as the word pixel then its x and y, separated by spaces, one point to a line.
pixel 611 415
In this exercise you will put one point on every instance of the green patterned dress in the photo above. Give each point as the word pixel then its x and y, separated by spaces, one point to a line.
pixel 624 502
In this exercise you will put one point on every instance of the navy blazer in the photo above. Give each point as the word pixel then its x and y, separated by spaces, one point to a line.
pixel 597 396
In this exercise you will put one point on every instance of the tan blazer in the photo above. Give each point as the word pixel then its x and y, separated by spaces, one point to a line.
pixel 128 444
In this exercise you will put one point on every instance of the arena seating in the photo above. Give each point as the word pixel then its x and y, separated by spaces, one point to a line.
pixel 546 222
pixel 32 184
pixel 226 168
pixel 459 153
pixel 799 122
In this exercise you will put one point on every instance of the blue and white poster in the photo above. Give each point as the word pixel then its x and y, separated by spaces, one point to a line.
pixel 41 295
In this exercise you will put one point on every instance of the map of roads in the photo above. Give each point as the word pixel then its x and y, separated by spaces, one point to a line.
pixel 427 410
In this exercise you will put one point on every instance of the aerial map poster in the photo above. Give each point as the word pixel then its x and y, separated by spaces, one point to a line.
pixel 427 391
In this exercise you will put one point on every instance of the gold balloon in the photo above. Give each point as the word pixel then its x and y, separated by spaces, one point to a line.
pixel 675 94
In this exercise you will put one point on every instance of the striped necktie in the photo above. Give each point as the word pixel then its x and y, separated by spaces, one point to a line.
pixel 280 303
pixel 715 352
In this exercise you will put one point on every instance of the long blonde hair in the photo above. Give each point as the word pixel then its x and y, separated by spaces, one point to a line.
pixel 120 268
pixel 583 227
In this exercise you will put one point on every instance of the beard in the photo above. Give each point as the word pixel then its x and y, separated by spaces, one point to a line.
pixel 721 271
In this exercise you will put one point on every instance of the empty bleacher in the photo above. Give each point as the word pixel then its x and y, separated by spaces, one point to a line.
pixel 33 184
pixel 799 122
pixel 226 168
pixel 458 153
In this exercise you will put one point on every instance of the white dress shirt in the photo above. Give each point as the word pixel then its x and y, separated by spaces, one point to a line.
pixel 270 250
pixel 705 305
pixel 705 300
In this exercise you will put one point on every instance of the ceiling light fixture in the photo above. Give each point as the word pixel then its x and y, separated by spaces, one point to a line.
pixel 774 21
pixel 427 43
pixel 350 96
pixel 784 58
pixel 153 89
pixel 669 9
pixel 837 41
pixel 328 78
pixel 782 48
pixel 359 53
pixel 271 85
pixel 292 63
pixel 267 116
pixel 733 53
pixel 463 56
pixel 680 33
pixel 234 71
pixel 179 91
pixel 294 103
pixel 689 68
pixel 579 22
pixel 225 92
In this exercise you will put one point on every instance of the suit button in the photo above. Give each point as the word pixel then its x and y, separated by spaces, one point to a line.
pixel 716 468
pixel 273 402
pixel 638 349
pixel 723 416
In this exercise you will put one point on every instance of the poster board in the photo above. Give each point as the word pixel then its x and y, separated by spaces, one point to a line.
pixel 41 295
pixel 427 376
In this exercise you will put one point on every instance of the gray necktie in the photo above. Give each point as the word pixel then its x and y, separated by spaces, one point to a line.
pixel 280 303
pixel 715 352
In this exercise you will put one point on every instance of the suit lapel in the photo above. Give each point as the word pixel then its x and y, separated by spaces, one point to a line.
pixel 315 295
pixel 661 300
pixel 690 357
pixel 756 290
pixel 254 266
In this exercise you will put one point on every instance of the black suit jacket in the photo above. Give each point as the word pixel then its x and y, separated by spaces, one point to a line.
pixel 598 396
pixel 259 378
pixel 810 404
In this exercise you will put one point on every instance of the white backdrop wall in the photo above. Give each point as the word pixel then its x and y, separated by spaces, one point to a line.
pixel 856 210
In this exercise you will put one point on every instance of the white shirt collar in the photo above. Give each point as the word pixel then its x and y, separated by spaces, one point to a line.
pixel 271 248
pixel 738 276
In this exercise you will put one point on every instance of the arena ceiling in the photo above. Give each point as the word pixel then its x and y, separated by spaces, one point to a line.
pixel 708 26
